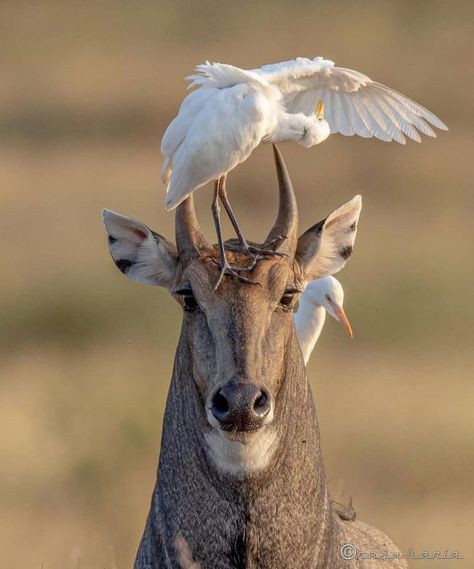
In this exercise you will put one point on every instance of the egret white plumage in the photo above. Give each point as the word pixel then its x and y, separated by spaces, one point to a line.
pixel 321 296
pixel 233 110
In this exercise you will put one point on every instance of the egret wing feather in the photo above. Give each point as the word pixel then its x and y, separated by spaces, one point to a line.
pixel 418 122
pixel 179 126
pixel 288 74
pixel 396 122
pixel 222 75
pixel 387 131
pixel 182 143
pixel 224 133
pixel 354 103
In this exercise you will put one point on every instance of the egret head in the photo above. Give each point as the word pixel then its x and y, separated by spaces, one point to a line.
pixel 328 293
pixel 315 128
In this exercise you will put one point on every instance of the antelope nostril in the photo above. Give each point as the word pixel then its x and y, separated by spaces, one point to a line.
pixel 260 402
pixel 220 403
pixel 261 405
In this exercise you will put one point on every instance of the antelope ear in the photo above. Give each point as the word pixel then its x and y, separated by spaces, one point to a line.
pixel 140 253
pixel 325 247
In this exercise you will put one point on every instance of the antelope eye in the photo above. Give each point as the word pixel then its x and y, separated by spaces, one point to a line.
pixel 287 299
pixel 189 301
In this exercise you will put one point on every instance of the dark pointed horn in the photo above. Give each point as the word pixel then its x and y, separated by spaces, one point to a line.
pixel 189 237
pixel 286 223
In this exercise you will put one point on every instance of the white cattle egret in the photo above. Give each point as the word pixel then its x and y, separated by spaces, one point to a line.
pixel 233 110
pixel 321 296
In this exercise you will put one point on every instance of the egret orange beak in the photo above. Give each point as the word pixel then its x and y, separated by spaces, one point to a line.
pixel 320 110
pixel 343 319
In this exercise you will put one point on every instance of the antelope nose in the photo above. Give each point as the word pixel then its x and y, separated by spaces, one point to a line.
pixel 241 406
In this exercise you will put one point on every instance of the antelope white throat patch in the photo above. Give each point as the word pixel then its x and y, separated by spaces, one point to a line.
pixel 238 458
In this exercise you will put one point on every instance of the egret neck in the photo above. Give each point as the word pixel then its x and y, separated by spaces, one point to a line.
pixel 309 322
pixel 306 130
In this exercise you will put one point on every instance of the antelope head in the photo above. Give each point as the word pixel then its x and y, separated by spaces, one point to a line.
pixel 240 337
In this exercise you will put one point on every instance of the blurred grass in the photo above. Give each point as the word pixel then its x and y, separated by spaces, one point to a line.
pixel 86 356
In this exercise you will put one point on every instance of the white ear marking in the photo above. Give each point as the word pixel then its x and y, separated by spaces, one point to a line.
pixel 140 253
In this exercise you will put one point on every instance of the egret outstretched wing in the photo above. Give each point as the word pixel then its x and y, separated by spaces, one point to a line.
pixel 354 104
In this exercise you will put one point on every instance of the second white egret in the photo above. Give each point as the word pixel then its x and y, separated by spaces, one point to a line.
pixel 321 296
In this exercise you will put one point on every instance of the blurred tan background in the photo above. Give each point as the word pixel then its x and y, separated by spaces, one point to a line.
pixel 87 89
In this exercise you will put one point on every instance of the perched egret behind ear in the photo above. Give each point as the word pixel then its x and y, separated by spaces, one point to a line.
pixel 320 296
pixel 324 294
pixel 234 110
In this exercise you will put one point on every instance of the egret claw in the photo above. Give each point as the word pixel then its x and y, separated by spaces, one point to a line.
pixel 259 252
pixel 226 269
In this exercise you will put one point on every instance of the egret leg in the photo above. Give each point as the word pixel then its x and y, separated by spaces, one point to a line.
pixel 255 253
pixel 235 224
pixel 225 267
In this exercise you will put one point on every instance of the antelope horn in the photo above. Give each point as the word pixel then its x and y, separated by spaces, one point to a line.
pixel 284 230
pixel 189 237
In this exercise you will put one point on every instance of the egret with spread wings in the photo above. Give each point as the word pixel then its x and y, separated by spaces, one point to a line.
pixel 233 110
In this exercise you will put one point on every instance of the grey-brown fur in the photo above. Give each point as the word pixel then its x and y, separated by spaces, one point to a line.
pixel 276 516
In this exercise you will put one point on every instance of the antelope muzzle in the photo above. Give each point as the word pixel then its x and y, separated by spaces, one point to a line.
pixel 241 407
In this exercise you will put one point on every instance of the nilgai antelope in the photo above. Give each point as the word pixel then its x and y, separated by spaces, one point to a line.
pixel 241 481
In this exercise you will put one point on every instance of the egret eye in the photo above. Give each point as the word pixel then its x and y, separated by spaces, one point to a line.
pixel 189 301
pixel 328 298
